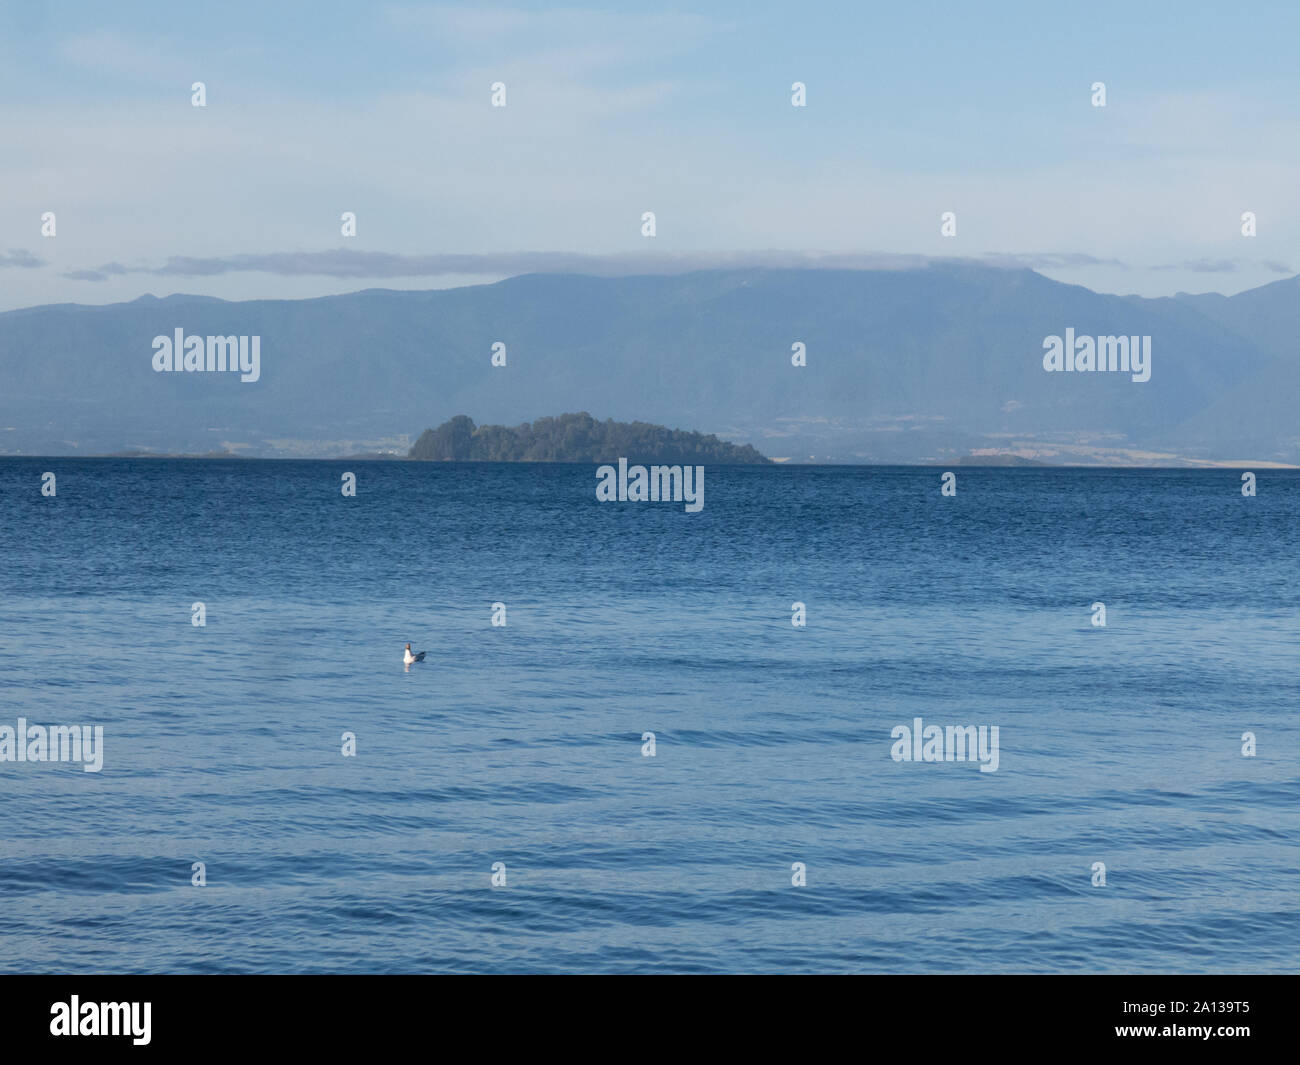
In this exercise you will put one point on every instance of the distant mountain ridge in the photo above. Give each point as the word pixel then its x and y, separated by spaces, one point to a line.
pixel 575 438
pixel 926 364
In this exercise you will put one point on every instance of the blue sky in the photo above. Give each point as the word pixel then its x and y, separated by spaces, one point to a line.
pixel 319 108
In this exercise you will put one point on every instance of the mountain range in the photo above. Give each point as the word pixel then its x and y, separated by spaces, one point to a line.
pixel 933 364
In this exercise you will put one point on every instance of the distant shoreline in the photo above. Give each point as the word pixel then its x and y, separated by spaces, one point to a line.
pixel 960 463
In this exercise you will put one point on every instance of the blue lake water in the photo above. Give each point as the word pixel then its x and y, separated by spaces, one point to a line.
pixel 522 744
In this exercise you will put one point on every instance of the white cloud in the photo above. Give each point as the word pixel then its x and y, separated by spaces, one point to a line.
pixel 576 157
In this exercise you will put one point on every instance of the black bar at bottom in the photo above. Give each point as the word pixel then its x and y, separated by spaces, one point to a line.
pixel 345 1014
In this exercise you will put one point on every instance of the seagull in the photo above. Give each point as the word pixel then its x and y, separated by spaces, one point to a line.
pixel 408 658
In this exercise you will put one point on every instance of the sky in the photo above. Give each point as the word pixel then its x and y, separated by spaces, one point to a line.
pixel 913 110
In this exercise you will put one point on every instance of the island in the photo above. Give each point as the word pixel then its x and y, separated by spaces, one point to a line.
pixel 575 438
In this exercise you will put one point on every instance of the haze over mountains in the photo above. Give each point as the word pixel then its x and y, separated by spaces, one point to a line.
pixel 914 365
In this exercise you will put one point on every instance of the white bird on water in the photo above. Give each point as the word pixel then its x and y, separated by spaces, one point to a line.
pixel 408 658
